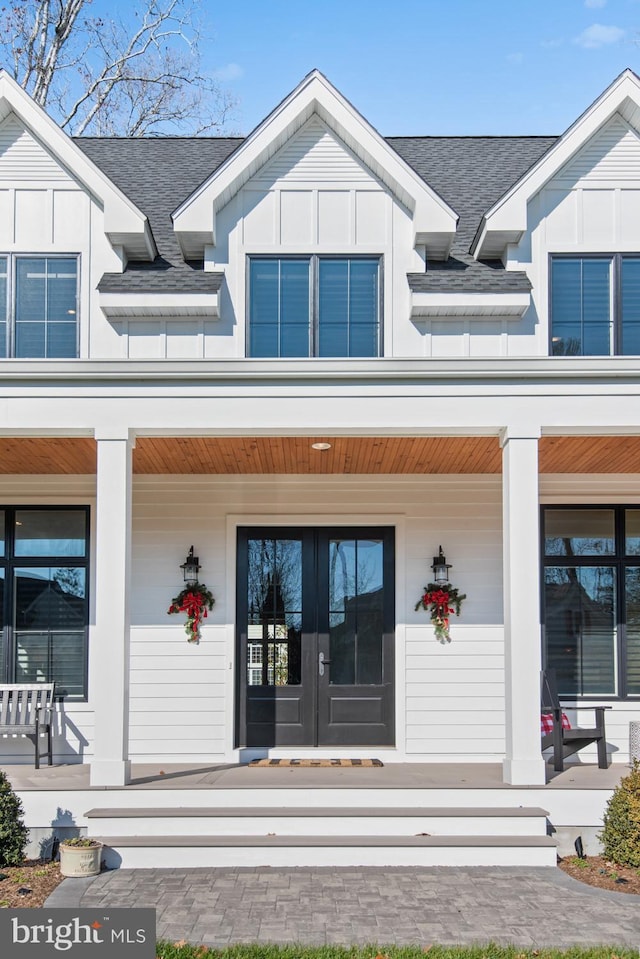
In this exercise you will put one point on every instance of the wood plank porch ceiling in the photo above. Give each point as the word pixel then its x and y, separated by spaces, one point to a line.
pixel 294 454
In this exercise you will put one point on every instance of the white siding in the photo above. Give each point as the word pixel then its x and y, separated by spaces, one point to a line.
pixel 590 206
pixel 314 154
pixel 612 154
pixel 23 157
pixel 168 675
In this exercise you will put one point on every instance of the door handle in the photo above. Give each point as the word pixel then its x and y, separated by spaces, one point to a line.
pixel 322 662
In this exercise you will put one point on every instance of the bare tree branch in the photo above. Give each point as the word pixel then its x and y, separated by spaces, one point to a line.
pixel 97 75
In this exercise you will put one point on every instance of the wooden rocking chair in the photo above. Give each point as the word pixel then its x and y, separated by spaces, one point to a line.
pixel 564 741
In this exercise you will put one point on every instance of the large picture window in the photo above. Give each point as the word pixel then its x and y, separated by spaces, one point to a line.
pixel 44 555
pixel 595 305
pixel 314 306
pixel 591 592
pixel 38 307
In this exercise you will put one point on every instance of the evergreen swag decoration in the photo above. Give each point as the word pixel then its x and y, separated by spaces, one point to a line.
pixel 194 600
pixel 440 602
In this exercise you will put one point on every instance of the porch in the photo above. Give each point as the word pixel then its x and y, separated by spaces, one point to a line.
pixel 397 814
pixel 460 702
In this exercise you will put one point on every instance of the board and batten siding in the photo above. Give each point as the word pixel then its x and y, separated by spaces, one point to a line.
pixel 592 205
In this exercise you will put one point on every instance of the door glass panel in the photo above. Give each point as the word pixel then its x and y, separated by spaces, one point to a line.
pixel 49 627
pixel 355 611
pixel 581 629
pixel 633 630
pixel 2 547
pixel 579 532
pixel 274 602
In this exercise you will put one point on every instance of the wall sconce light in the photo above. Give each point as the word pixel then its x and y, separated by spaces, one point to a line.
pixel 190 568
pixel 440 568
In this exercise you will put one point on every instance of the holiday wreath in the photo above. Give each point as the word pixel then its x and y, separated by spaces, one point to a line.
pixel 441 601
pixel 194 600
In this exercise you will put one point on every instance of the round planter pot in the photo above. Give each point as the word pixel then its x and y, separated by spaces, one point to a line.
pixel 80 860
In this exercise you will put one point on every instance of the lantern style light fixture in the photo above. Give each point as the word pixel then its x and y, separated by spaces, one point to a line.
pixel 190 568
pixel 440 568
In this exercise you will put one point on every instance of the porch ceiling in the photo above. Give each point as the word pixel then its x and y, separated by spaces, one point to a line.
pixel 294 454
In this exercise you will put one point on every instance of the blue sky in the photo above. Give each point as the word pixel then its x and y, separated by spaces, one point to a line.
pixel 428 66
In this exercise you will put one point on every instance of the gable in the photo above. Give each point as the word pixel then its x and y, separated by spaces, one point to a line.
pixel 612 154
pixel 24 158
pixel 314 154
pixel 601 141
pixel 433 220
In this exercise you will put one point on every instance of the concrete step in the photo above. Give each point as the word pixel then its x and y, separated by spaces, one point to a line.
pixel 319 821
pixel 140 852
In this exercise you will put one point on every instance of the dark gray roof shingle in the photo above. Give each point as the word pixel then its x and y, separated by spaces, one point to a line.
pixel 152 278
pixel 158 174
pixel 463 274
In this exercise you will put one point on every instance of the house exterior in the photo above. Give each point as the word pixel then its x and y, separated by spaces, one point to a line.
pixel 454 321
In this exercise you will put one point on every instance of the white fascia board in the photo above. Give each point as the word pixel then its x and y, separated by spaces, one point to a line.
pixel 509 215
pixel 431 215
pixel 159 304
pixel 122 219
pixel 469 304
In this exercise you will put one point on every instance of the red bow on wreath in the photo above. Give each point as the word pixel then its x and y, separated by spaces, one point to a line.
pixel 194 600
pixel 441 602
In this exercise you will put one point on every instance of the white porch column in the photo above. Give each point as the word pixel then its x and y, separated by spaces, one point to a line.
pixel 523 764
pixel 110 646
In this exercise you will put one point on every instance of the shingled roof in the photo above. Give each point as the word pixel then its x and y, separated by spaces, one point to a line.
pixel 469 173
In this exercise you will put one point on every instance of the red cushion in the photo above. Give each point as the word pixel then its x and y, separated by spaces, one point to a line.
pixel 546 723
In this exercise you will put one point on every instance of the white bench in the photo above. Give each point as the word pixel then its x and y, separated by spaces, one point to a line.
pixel 26 710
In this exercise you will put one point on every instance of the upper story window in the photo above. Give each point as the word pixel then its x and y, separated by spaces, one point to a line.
pixel 595 305
pixel 38 306
pixel 314 306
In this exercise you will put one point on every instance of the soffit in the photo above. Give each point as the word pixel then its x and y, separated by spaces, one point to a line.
pixel 430 455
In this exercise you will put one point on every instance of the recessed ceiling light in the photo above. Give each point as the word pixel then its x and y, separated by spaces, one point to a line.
pixel 321 446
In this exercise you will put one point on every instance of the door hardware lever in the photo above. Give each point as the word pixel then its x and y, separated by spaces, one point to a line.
pixel 322 662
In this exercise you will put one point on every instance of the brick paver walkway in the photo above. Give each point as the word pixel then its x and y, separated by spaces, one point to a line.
pixel 401 905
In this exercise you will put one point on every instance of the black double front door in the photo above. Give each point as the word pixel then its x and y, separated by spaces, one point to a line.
pixel 315 636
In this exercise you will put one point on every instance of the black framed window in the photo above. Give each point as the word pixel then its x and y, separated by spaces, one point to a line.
pixel 591 599
pixel 314 306
pixel 44 571
pixel 38 306
pixel 595 305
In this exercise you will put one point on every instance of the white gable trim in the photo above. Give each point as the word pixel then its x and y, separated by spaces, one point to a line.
pixel 125 224
pixel 506 221
pixel 434 221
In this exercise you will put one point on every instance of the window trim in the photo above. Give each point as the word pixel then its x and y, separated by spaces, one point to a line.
pixel 314 276
pixel 9 562
pixel 615 298
pixel 12 259
pixel 620 561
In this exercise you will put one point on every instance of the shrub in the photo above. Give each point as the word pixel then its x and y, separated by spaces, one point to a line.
pixel 82 842
pixel 621 834
pixel 13 832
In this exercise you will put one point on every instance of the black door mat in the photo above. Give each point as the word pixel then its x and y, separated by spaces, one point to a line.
pixel 316 762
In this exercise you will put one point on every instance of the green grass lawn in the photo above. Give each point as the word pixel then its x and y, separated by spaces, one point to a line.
pixel 167 950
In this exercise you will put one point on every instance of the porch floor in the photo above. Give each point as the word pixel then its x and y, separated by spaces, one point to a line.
pixel 391 776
